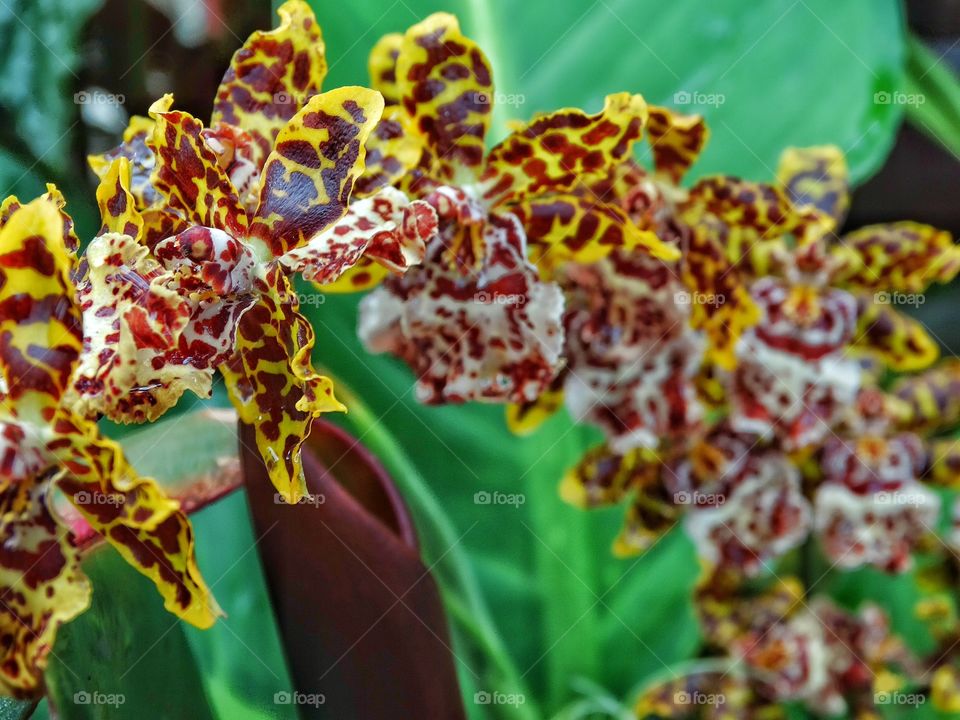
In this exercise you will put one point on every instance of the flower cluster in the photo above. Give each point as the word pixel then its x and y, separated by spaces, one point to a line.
pixel 784 438
pixel 750 375
pixel 733 348
pixel 191 273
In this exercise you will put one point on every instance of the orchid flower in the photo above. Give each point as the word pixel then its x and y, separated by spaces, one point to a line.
pixel 260 195
pixel 476 320
pixel 50 445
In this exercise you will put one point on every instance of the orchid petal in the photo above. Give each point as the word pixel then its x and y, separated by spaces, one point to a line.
pixel 271 77
pixel 555 152
pixel 41 584
pixel 188 174
pixel 309 176
pixel 676 141
pixel 272 384
pixel 446 85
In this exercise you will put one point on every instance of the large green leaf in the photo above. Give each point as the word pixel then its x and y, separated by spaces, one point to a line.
pixel 126 657
pixel 788 73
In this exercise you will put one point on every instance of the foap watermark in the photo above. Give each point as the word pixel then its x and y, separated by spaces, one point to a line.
pixel 883 97
pixel 682 297
pixel 899 497
pixel 302 298
pixel 86 697
pixel 499 98
pixel 695 497
pixel 315 499
pixel 696 697
pixel 97 497
pixel 98 97
pixel 485 298
pixel 899 698
pixel 283 697
pixel 484 497
pixel 899 298
pixel 484 697
pixel 286 98
pixel 688 97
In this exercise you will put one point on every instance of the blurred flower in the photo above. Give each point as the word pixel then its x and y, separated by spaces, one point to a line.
pixel 477 322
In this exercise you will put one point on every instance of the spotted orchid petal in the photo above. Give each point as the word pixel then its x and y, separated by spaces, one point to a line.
pixel 896 339
pixel 649 517
pixel 142 161
pixel 118 210
pixel 493 336
pixel 135 516
pixel 676 141
pixel 603 477
pixel 40 334
pixel 70 240
pixel 463 227
pixel 272 384
pixel 816 178
pixel 394 148
pixel 792 380
pixel 382 65
pixel 932 397
pixel 762 516
pixel 271 77
pixel 631 358
pixel 132 323
pixel 870 508
pixel 41 585
pixel 720 304
pixel 757 217
pixel 896 257
pixel 567 227
pixel 525 418
pixel 309 176
pixel 40 327
pixel 387 228
pixel 188 173
pixel 446 85
pixel 943 470
pixel 556 152
pixel 159 223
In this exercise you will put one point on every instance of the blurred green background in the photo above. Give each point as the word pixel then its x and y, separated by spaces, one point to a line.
pixel 537 603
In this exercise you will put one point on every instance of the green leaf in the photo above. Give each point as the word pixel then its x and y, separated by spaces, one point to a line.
pixel 11 709
pixel 126 656
pixel 240 659
pixel 39 65
pixel 193 455
pixel 935 92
